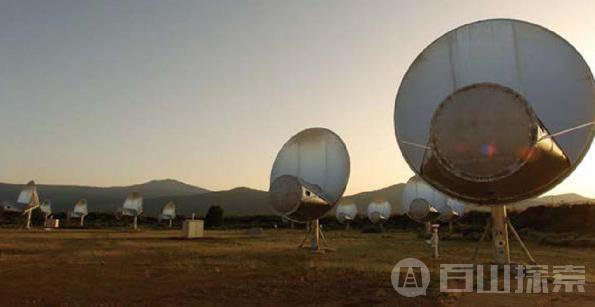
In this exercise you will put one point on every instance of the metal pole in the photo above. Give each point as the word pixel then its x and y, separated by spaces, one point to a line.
pixel 500 235
pixel 82 223
pixel 487 229
pixel 170 223
pixel 315 239
pixel 518 238
pixel 28 226
pixel 135 225
pixel 435 239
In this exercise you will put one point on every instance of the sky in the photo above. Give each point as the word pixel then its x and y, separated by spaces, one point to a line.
pixel 121 92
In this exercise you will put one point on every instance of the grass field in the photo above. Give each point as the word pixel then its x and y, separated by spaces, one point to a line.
pixel 113 268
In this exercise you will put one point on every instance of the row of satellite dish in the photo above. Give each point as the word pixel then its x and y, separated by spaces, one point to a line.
pixel 421 202
pixel 28 200
pixel 491 113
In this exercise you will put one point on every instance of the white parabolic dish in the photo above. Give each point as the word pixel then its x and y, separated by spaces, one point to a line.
pixel 346 211
pixel 419 198
pixel 133 205
pixel 168 211
pixel 80 208
pixel 318 159
pixel 496 111
pixel 46 207
pixel 379 211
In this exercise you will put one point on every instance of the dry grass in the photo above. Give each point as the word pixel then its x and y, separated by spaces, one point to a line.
pixel 107 268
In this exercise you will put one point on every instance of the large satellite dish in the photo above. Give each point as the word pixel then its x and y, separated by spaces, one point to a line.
pixel 379 211
pixel 133 206
pixel 168 212
pixel 27 201
pixel 80 211
pixel 309 177
pixel 495 112
pixel 346 212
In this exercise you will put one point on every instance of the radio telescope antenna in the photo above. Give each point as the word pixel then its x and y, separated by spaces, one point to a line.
pixel 379 211
pixel 346 212
pixel 308 178
pixel 168 213
pixel 424 204
pixel 80 211
pixel 27 201
pixel 46 209
pixel 502 110
pixel 133 206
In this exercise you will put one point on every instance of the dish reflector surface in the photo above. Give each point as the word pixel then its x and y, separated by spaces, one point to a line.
pixel 309 175
pixel 46 207
pixel 133 205
pixel 80 208
pixel 346 211
pixel 421 201
pixel 28 195
pixel 496 111
pixel 379 211
pixel 168 211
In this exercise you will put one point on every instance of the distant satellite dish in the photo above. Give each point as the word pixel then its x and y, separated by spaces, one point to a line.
pixel 168 212
pixel 28 196
pixel 346 211
pixel 496 111
pixel 27 201
pixel 46 207
pixel 133 206
pixel 80 211
pixel 379 211
pixel 455 210
pixel 423 203
pixel 309 177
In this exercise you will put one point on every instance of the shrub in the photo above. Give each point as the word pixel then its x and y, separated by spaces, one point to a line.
pixel 214 217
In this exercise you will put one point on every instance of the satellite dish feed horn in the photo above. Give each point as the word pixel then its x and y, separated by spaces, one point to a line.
pixel 495 112
pixel 308 178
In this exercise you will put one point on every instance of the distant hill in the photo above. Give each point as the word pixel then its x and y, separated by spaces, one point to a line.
pixel 393 194
pixel 245 201
pixel 548 201
pixel 101 199
pixel 238 201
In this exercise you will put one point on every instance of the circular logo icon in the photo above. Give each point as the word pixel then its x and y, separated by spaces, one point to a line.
pixel 410 277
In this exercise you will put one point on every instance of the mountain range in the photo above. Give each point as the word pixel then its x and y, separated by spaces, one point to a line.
pixel 239 201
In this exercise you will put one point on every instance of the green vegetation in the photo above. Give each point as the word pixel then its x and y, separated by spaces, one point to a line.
pixel 214 217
